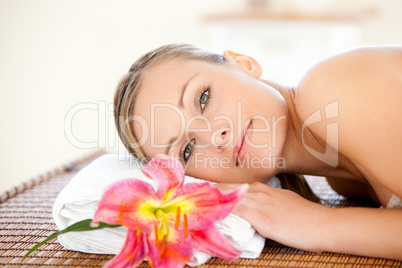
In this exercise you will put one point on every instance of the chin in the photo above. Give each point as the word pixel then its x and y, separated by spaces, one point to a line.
pixel 267 161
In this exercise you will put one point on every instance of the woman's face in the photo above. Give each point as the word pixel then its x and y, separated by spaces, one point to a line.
pixel 223 123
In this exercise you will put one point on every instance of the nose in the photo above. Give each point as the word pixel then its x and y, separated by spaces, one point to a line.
pixel 220 138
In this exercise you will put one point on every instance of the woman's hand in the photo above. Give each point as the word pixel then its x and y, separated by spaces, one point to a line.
pixel 282 215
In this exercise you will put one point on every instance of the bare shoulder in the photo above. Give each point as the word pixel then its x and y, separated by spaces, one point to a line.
pixel 361 92
pixel 357 65
pixel 367 65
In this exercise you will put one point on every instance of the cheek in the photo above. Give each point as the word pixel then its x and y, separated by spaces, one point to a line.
pixel 204 160
pixel 209 167
pixel 270 132
pixel 220 170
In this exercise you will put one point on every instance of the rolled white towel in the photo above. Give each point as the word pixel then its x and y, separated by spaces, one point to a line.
pixel 395 202
pixel 77 201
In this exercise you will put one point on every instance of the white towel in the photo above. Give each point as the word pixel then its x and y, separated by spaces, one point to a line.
pixel 395 202
pixel 77 201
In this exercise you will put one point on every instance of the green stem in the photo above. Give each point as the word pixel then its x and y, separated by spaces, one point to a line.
pixel 80 226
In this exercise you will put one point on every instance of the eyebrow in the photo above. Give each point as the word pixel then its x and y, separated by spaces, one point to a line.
pixel 183 90
pixel 181 105
pixel 170 144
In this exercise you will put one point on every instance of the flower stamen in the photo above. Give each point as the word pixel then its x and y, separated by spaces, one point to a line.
pixel 177 218
pixel 185 225
pixel 156 236
pixel 162 252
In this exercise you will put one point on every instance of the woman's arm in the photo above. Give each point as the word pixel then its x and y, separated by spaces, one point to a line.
pixel 287 218
pixel 353 189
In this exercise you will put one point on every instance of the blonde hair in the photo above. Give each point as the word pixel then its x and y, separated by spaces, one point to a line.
pixel 129 86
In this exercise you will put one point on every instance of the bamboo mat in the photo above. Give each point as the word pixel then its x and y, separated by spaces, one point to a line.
pixel 26 218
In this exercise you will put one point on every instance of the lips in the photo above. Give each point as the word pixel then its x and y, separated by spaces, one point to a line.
pixel 241 148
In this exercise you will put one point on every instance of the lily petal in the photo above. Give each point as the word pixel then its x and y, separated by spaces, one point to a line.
pixel 167 172
pixel 212 242
pixel 128 202
pixel 132 253
pixel 204 204
pixel 174 252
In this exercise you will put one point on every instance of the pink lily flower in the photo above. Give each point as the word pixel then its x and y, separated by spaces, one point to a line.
pixel 166 226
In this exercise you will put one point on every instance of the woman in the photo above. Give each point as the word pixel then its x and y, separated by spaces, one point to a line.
pixel 227 125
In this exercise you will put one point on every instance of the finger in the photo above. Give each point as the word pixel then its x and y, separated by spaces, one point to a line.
pixel 259 187
pixel 227 187
pixel 247 210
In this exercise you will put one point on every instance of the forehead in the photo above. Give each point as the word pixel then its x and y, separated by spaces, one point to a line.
pixel 162 84
pixel 159 82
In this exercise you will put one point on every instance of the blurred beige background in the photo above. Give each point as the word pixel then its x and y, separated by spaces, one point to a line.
pixel 60 60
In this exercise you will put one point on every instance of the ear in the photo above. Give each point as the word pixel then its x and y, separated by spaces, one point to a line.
pixel 246 63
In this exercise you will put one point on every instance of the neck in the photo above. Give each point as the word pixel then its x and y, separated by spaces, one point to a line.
pixel 297 159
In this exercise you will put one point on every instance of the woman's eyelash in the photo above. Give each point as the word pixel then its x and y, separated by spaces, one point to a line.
pixel 187 151
pixel 204 97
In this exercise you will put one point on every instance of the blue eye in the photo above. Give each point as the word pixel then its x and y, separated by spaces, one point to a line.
pixel 187 151
pixel 204 99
